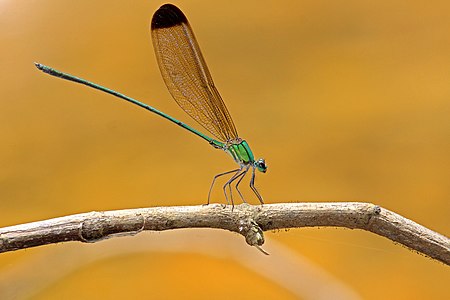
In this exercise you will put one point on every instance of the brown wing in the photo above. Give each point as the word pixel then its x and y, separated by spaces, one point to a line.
pixel 185 72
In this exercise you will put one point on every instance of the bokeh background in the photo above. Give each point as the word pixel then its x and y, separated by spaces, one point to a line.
pixel 346 100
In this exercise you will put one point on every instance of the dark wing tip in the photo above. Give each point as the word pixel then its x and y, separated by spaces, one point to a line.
pixel 166 16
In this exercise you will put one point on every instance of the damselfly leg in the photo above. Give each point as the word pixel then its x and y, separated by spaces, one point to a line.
pixel 239 181
pixel 238 174
pixel 217 176
pixel 252 186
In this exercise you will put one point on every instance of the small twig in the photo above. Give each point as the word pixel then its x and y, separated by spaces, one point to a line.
pixel 247 220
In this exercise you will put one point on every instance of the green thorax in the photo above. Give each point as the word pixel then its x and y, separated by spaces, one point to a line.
pixel 240 151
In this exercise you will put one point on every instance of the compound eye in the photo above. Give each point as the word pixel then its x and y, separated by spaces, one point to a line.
pixel 261 165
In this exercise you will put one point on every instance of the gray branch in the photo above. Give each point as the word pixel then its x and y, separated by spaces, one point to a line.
pixel 247 220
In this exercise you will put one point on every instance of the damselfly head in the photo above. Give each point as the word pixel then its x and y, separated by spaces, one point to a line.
pixel 260 164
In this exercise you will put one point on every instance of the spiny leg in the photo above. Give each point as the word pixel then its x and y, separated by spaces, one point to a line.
pixel 228 183
pixel 237 184
pixel 252 186
pixel 241 175
pixel 214 180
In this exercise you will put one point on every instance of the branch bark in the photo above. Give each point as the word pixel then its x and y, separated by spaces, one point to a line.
pixel 247 220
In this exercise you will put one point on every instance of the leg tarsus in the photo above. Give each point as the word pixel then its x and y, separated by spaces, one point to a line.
pixel 214 180
pixel 237 184
pixel 252 186
pixel 228 183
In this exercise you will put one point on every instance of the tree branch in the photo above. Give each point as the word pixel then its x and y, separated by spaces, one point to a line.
pixel 247 220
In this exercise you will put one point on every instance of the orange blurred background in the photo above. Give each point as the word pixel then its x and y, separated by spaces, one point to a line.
pixel 346 100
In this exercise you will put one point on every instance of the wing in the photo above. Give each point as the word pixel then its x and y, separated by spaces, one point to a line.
pixel 185 72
